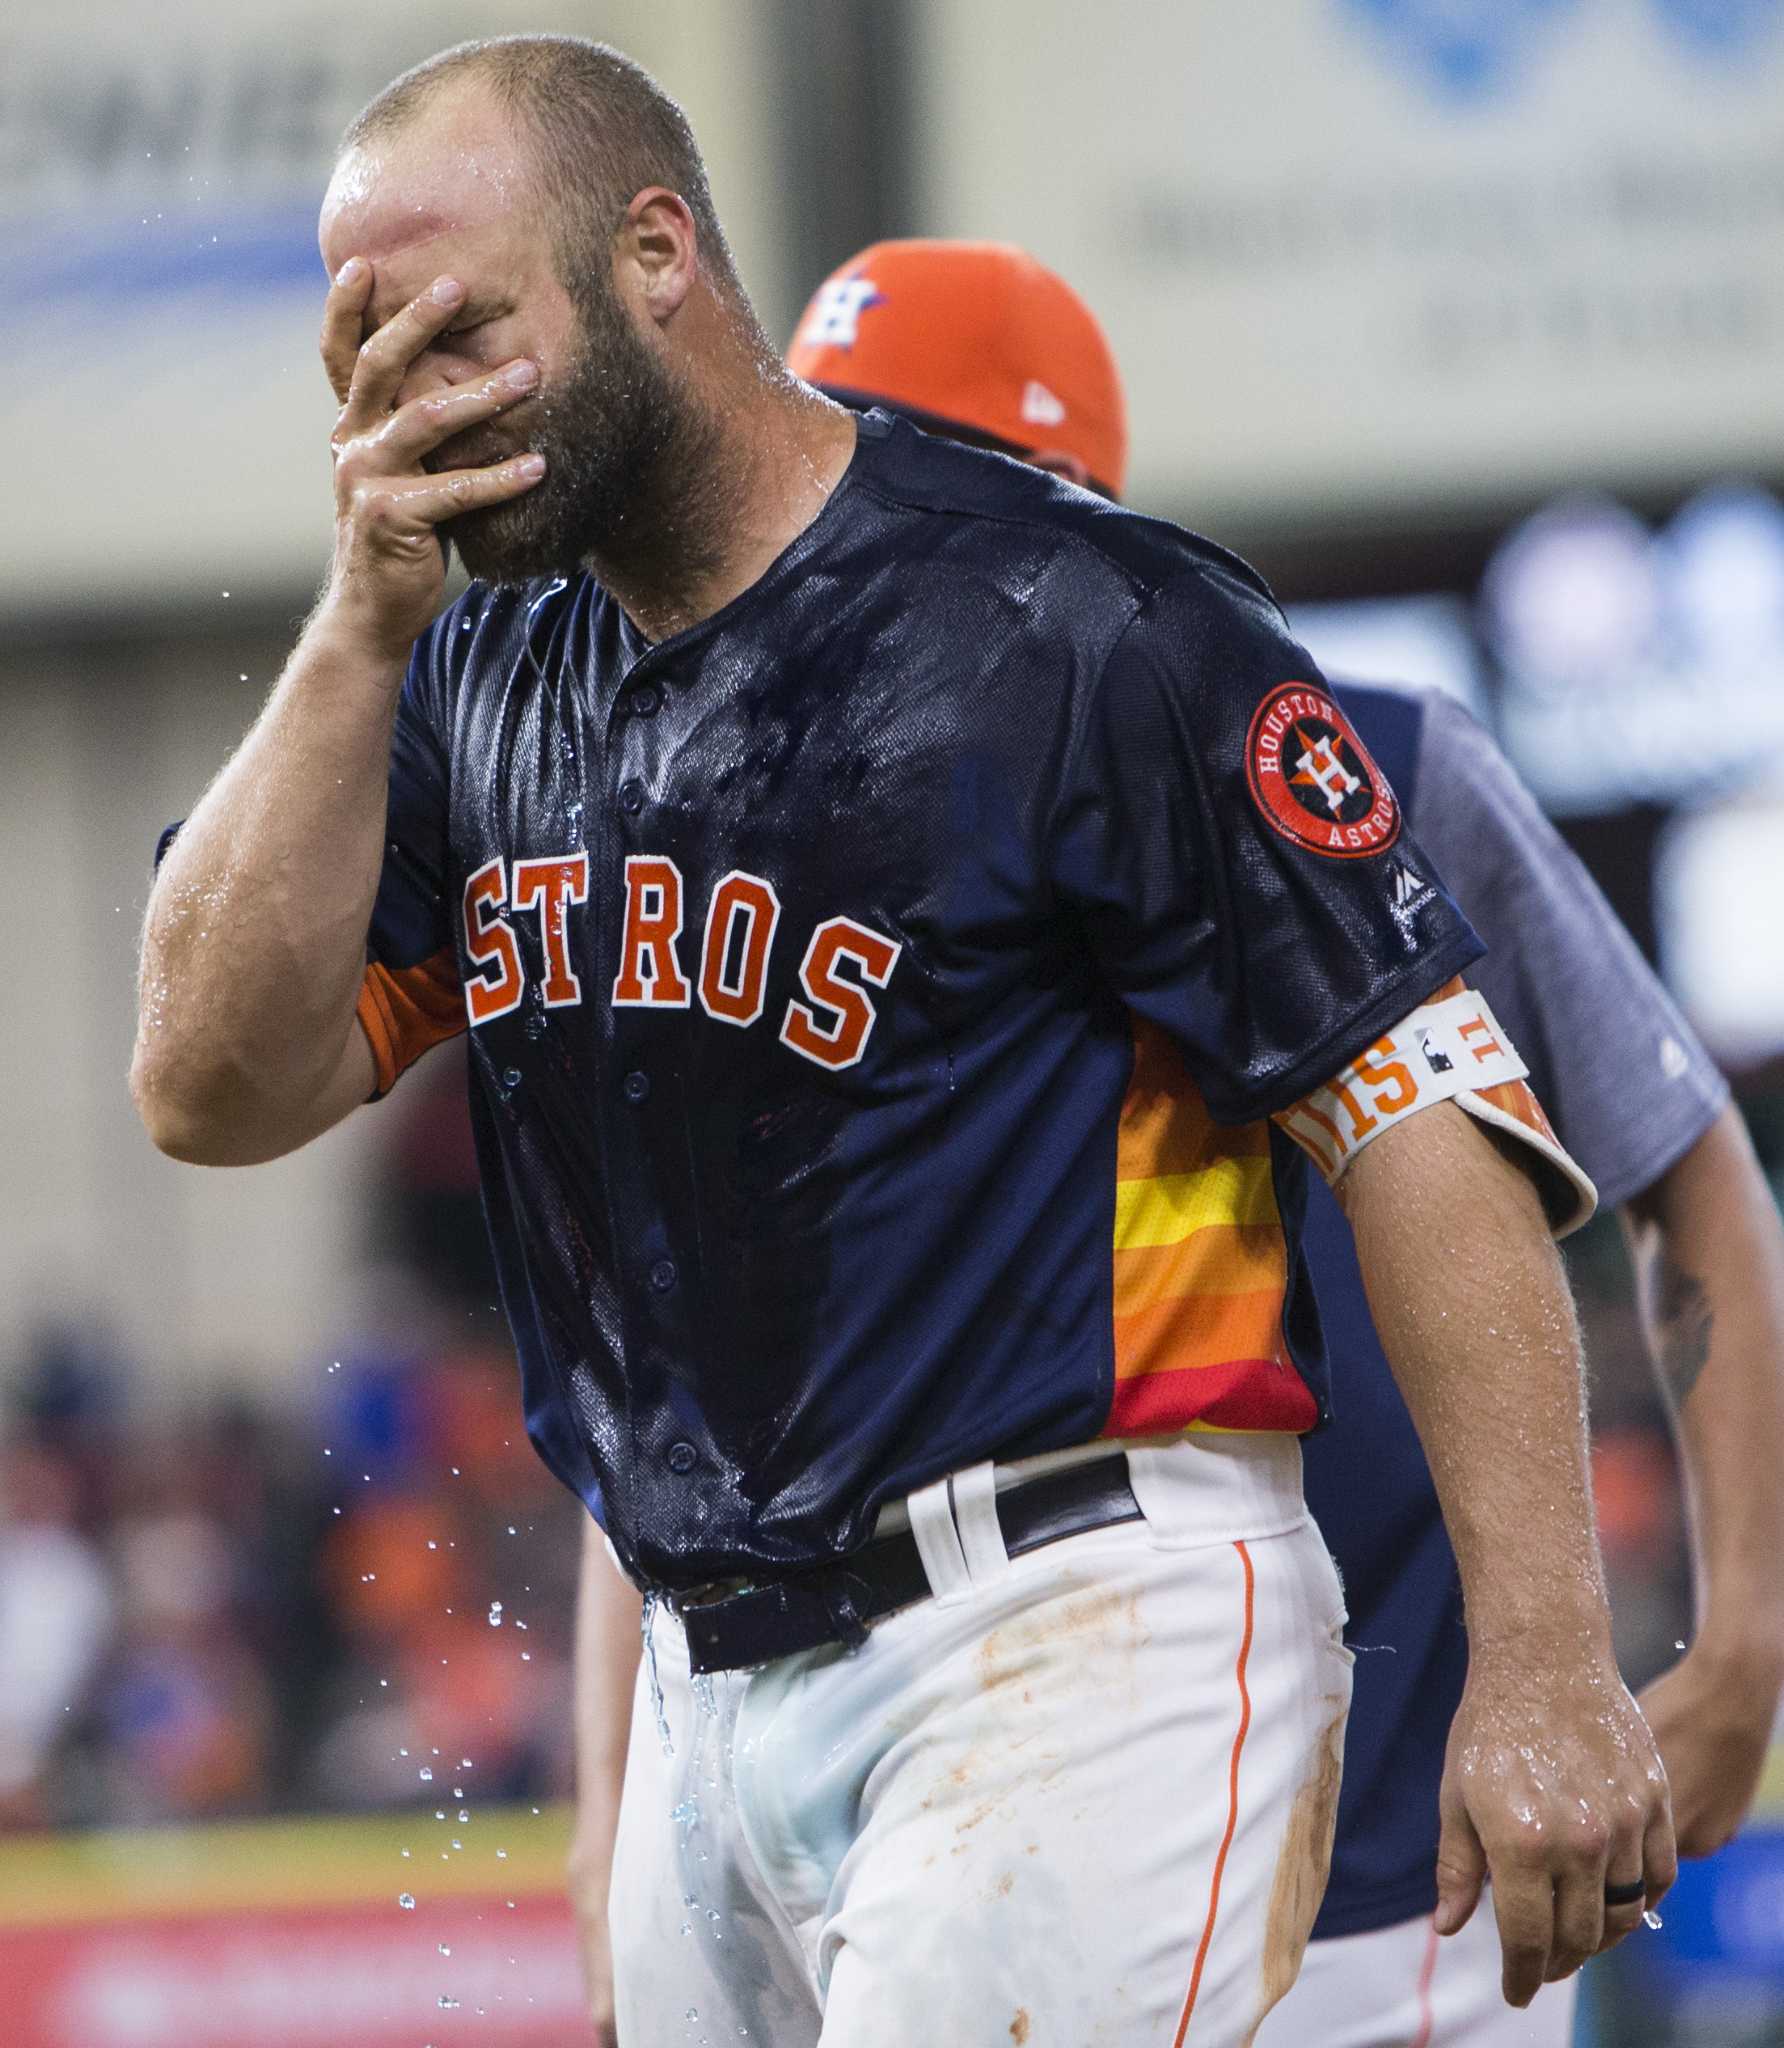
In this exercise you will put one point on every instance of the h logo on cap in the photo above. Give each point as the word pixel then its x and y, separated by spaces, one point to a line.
pixel 835 319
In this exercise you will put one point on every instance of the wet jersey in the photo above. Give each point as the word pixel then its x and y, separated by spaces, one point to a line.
pixel 1629 1089
pixel 878 994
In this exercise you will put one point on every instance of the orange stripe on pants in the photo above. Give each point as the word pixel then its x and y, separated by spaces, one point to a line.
pixel 1226 1840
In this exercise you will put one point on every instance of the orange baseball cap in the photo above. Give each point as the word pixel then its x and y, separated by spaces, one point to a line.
pixel 975 335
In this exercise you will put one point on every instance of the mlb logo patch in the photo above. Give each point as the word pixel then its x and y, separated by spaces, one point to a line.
pixel 835 317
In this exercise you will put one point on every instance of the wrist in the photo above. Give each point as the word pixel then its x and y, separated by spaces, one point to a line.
pixel 1744 1650
pixel 357 633
pixel 1577 1640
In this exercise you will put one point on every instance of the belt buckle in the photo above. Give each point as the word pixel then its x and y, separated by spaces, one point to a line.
pixel 709 1594
pixel 844 1612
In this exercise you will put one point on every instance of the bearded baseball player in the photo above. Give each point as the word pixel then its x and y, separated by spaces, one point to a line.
pixel 979 342
pixel 920 929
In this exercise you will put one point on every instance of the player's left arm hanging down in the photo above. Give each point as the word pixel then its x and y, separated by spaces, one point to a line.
pixel 1453 1182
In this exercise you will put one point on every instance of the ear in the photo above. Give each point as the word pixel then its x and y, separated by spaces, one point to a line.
pixel 1056 462
pixel 656 254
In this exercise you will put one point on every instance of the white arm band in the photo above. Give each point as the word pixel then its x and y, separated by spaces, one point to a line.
pixel 1447 1051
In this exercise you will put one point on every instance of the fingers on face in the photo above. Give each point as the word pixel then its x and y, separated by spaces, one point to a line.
pixel 343 322
pixel 383 361
pixel 420 427
pixel 426 501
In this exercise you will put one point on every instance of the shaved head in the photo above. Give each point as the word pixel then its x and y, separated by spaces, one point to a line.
pixel 596 130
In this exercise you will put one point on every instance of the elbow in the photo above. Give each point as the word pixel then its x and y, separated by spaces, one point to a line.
pixel 173 1125
pixel 186 1117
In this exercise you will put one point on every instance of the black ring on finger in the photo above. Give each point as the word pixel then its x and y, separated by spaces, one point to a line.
pixel 1626 1894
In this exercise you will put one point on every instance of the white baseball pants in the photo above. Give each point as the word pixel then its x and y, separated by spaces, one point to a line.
pixel 1081 1797
pixel 1407 1987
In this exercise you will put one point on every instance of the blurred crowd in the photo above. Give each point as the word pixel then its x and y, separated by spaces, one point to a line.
pixel 303 1604
pixel 255 1605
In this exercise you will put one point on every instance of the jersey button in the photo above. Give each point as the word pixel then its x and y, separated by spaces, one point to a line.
pixel 683 1457
pixel 636 1087
pixel 645 701
pixel 662 1275
pixel 631 798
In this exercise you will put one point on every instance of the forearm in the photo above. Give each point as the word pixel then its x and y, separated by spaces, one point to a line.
pixel 1474 1314
pixel 607 1655
pixel 1709 1255
pixel 254 946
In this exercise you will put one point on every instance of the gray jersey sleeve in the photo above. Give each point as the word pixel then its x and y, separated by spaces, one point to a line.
pixel 1624 1079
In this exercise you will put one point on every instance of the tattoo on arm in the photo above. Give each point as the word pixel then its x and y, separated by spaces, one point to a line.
pixel 1684 1321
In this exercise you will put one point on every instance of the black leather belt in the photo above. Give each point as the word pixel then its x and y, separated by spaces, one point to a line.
pixel 836 1602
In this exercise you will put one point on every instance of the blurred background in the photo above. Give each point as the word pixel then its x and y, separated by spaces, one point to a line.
pixel 1464 319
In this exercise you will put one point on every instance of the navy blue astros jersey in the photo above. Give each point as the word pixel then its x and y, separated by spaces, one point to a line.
pixel 878 994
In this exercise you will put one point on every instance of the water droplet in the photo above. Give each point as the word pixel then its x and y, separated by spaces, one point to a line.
pixel 495 1614
pixel 406 1899
pixel 645 1619
pixel 445 1948
pixel 1652 1919
pixel 510 1077
pixel 448 2004
pixel 464 1813
pixel 426 1774
pixel 692 2013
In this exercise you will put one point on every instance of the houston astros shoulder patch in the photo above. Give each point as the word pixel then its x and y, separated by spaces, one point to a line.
pixel 1312 777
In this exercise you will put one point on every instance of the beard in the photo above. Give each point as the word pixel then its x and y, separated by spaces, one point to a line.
pixel 615 429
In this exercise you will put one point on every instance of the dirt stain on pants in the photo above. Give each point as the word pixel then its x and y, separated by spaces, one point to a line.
pixel 1301 1870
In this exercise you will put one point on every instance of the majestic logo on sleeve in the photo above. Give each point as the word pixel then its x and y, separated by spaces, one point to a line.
pixel 1312 777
